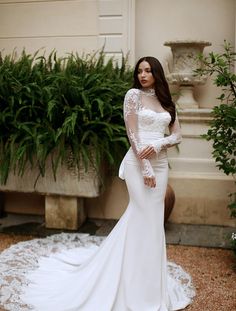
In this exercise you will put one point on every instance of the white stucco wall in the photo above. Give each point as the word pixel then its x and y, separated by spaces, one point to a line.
pixel 61 25
pixel 82 26
pixel 160 20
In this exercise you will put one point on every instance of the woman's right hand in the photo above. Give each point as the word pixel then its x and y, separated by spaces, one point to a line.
pixel 148 173
pixel 150 181
pixel 147 152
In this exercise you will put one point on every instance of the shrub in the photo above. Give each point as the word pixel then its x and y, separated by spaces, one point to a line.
pixel 52 107
pixel 222 131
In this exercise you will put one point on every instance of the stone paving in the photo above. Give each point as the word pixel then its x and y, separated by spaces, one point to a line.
pixel 181 234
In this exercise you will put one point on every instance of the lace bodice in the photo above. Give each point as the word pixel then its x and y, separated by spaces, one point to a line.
pixel 146 123
pixel 150 121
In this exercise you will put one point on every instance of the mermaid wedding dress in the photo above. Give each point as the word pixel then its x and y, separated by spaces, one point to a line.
pixel 126 271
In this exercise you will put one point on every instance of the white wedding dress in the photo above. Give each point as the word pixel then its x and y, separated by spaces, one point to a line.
pixel 126 271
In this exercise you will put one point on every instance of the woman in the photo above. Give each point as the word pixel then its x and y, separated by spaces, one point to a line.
pixel 128 272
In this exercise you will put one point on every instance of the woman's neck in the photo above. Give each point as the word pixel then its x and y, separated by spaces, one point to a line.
pixel 148 91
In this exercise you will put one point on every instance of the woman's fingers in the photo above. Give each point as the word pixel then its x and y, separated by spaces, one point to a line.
pixel 143 152
pixel 153 183
pixel 147 152
pixel 150 181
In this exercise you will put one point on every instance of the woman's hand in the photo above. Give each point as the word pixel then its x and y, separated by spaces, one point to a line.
pixel 147 152
pixel 150 181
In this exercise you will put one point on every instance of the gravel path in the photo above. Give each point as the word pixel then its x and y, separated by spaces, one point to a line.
pixel 213 272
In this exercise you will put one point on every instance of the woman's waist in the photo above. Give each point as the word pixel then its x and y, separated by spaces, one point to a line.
pixel 132 158
pixel 148 138
pixel 157 161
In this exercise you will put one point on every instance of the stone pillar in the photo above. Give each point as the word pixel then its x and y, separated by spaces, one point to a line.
pixel 64 212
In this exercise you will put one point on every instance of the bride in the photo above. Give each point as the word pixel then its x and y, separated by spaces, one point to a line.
pixel 128 271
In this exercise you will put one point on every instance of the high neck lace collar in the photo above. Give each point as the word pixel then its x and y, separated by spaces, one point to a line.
pixel 149 92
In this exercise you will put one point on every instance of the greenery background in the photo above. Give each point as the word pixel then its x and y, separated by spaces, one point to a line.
pixel 53 107
pixel 222 131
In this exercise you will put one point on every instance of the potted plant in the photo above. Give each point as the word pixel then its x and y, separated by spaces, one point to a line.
pixel 52 107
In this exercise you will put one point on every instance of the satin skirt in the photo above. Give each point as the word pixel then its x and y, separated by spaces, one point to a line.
pixel 128 271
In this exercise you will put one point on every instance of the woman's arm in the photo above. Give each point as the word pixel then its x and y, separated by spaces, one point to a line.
pixel 174 138
pixel 131 104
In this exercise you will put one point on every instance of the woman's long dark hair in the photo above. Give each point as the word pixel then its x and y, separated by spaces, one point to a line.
pixel 161 86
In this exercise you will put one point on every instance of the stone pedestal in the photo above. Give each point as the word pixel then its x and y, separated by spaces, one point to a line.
pixel 64 207
pixel 63 212
pixel 186 98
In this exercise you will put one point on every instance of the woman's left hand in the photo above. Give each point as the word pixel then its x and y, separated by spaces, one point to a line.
pixel 147 152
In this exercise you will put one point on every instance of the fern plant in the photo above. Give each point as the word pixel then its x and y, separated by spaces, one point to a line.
pixel 53 107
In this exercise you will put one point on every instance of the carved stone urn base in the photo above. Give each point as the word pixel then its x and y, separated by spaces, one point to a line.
pixel 186 99
pixel 169 202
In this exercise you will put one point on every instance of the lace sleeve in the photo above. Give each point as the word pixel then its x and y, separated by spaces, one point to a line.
pixel 131 106
pixel 174 138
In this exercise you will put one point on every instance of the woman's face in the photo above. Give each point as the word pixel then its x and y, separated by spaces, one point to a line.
pixel 145 76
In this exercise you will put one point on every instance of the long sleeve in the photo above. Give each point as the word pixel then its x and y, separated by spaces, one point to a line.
pixel 131 105
pixel 173 139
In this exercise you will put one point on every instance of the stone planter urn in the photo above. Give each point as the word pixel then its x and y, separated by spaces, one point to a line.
pixel 185 61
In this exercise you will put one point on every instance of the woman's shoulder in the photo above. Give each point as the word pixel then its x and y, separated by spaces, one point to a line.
pixel 132 93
